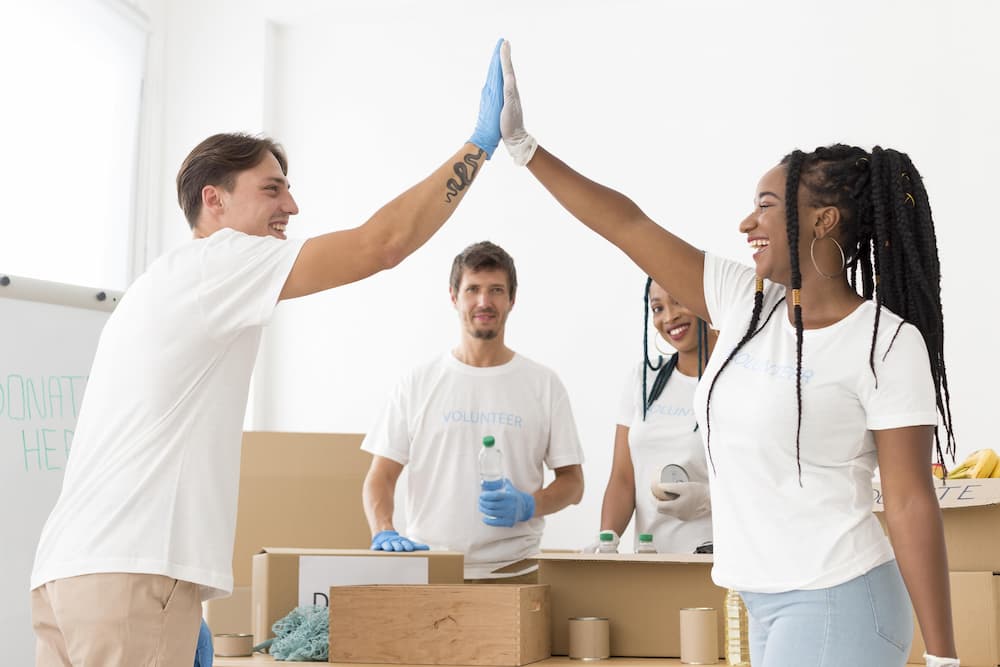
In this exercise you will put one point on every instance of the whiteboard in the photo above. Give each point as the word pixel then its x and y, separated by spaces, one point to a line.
pixel 48 337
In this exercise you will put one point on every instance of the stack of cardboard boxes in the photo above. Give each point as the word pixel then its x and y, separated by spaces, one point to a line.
pixel 511 625
pixel 301 489
pixel 304 490
pixel 970 510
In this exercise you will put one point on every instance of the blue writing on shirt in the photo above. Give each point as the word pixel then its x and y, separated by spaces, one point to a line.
pixel 482 417
pixel 784 371
pixel 670 411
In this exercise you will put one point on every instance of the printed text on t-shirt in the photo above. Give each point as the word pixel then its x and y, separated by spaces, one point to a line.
pixel 482 417
pixel 784 371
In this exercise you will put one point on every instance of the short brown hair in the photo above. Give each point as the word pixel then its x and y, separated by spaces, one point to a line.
pixel 216 161
pixel 484 255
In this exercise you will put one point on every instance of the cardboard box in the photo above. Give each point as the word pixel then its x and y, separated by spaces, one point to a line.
pixel 470 624
pixel 640 594
pixel 975 613
pixel 283 478
pixel 287 578
pixel 970 510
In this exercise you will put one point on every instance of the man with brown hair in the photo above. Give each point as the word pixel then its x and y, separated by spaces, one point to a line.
pixel 143 529
pixel 435 423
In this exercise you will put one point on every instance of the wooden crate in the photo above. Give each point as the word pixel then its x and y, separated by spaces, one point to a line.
pixel 501 625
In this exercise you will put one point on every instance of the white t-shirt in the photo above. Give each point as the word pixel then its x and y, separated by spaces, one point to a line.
pixel 666 436
pixel 434 424
pixel 152 478
pixel 771 533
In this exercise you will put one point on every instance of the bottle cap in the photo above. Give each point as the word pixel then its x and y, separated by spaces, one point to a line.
pixel 488 441
pixel 606 536
pixel 645 537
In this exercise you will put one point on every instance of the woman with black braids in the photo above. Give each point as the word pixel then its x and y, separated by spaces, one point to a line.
pixel 657 428
pixel 830 360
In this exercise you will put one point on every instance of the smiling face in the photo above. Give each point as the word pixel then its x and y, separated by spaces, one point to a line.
pixel 483 302
pixel 677 324
pixel 259 203
pixel 766 228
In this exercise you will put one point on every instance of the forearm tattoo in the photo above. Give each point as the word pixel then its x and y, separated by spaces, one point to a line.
pixel 465 171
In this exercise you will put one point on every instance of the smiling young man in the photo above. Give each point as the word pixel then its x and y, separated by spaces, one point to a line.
pixel 437 418
pixel 143 529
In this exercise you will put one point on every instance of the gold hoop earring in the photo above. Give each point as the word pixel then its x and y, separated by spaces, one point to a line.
pixel 656 343
pixel 812 255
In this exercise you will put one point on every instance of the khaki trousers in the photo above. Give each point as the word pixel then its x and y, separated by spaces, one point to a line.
pixel 116 620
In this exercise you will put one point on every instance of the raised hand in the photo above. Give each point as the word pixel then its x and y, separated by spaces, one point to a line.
pixel 487 132
pixel 519 143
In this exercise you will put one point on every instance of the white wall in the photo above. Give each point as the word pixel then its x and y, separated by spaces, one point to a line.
pixel 680 105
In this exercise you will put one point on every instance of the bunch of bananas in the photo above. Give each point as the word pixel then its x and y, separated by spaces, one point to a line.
pixel 981 463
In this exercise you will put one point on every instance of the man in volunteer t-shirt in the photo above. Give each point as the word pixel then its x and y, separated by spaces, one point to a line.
pixel 435 422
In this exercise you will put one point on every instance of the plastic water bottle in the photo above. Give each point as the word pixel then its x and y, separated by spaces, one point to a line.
pixel 490 465
pixel 606 543
pixel 737 631
pixel 646 545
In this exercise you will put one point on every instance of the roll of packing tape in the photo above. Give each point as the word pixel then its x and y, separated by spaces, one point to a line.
pixel 589 638
pixel 699 636
pixel 233 645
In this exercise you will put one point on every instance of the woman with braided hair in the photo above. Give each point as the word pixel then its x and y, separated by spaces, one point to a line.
pixel 656 429
pixel 829 361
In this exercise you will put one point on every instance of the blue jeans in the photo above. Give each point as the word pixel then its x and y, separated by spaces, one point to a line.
pixel 203 654
pixel 864 622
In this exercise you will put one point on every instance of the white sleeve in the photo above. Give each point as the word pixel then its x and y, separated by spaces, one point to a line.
pixel 901 393
pixel 242 277
pixel 727 284
pixel 564 441
pixel 630 398
pixel 390 437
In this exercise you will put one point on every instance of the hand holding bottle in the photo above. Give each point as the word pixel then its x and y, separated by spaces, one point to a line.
pixel 507 506
pixel 606 542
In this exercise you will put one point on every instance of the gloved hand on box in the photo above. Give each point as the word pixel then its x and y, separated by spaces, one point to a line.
pixel 390 540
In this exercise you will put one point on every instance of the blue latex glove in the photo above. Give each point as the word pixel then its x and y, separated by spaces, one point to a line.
pixel 506 506
pixel 487 132
pixel 390 540
pixel 203 653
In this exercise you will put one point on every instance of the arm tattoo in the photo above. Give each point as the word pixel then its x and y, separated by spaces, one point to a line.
pixel 466 171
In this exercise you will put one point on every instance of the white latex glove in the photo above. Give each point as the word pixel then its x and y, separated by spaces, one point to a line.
pixel 683 500
pixel 592 548
pixel 934 661
pixel 519 143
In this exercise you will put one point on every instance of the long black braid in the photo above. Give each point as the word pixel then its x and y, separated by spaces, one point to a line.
pixel 645 349
pixel 887 233
pixel 752 330
pixel 793 165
